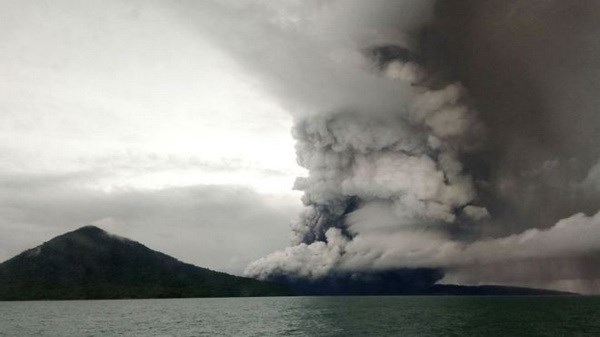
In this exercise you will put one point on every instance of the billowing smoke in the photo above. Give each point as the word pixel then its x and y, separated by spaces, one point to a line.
pixel 454 135
pixel 375 173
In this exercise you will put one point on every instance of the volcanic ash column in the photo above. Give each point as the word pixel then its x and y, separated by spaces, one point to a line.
pixel 381 174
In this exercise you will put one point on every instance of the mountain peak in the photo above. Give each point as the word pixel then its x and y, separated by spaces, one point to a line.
pixel 87 239
pixel 89 229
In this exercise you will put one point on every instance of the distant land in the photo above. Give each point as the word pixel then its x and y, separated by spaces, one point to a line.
pixel 89 263
pixel 407 281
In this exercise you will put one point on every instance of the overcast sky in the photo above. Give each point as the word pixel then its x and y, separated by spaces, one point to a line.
pixel 123 115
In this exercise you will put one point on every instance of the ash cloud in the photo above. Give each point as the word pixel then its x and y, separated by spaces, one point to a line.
pixel 437 134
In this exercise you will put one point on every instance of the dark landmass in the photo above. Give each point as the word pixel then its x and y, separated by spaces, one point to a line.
pixel 392 282
pixel 408 281
pixel 90 263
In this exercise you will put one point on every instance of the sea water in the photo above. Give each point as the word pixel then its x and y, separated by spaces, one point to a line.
pixel 307 316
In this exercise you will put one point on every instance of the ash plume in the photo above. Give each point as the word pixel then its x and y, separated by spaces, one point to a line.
pixel 450 135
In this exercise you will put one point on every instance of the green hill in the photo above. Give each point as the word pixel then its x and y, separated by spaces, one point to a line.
pixel 90 263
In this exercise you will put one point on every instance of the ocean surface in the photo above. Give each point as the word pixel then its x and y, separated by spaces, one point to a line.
pixel 307 316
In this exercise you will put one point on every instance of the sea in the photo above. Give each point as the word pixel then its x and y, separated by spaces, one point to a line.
pixel 307 316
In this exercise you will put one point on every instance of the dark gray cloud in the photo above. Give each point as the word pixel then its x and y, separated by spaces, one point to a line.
pixel 533 68
pixel 220 227
pixel 280 41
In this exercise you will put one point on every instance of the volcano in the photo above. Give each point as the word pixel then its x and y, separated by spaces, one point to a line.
pixel 90 263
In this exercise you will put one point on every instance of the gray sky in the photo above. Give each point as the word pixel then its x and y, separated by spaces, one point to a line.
pixel 120 114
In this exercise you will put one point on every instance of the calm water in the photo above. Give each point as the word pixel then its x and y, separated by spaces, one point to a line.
pixel 307 316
